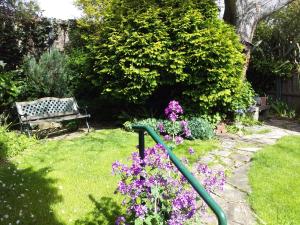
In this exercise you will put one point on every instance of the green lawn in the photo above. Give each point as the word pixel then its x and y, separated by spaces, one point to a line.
pixel 275 181
pixel 70 181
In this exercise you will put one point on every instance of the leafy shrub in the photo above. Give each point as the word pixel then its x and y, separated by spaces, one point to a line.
pixel 171 127
pixel 143 47
pixel 213 119
pixel 49 76
pixel 10 88
pixel 200 129
pixel 150 122
pixel 12 143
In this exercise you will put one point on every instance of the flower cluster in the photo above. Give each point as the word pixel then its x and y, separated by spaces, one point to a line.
pixel 185 127
pixel 174 130
pixel 173 110
pixel 154 190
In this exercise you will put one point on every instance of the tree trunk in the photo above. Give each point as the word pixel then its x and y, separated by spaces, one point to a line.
pixel 245 14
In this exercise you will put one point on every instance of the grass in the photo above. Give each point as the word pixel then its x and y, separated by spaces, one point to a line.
pixel 275 181
pixel 70 181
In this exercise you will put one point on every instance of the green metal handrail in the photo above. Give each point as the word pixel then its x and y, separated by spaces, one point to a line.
pixel 222 220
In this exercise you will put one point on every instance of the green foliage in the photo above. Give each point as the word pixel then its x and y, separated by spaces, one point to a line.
pixel 172 128
pixel 150 122
pixel 140 48
pixel 10 88
pixel 201 129
pixel 282 109
pixel 247 120
pixel 213 119
pixel 23 31
pixel 12 143
pixel 277 53
pixel 49 76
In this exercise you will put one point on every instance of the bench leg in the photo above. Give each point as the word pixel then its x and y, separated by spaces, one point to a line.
pixel 27 130
pixel 87 124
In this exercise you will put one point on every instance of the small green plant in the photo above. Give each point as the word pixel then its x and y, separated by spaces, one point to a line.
pixel 12 143
pixel 200 129
pixel 247 120
pixel 282 109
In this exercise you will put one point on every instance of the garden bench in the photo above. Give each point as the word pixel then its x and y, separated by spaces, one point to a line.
pixel 48 110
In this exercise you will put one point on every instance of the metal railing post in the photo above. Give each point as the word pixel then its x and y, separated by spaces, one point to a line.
pixel 142 144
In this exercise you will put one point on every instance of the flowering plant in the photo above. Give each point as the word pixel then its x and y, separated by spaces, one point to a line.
pixel 155 192
pixel 174 130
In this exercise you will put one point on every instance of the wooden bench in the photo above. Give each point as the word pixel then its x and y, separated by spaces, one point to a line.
pixel 49 110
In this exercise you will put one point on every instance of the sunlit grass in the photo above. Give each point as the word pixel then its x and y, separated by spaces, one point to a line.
pixel 275 180
pixel 70 181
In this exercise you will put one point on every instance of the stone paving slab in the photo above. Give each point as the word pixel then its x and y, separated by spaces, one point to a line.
pixel 237 160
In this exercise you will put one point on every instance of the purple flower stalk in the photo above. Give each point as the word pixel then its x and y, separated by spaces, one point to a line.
pixel 173 110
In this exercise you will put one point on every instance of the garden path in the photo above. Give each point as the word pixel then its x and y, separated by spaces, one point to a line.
pixel 235 158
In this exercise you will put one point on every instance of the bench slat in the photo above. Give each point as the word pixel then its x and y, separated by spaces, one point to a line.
pixel 59 119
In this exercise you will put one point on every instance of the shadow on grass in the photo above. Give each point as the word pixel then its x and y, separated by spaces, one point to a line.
pixel 26 196
pixel 105 212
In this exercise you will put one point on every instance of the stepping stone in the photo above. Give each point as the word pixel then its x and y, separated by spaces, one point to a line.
pixel 239 178
pixel 222 153
pixel 227 161
pixel 241 157
pixel 250 149
pixel 207 159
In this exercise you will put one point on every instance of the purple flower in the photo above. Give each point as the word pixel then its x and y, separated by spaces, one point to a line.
pixel 120 220
pixel 161 128
pixel 185 127
pixel 173 110
pixel 178 140
pixel 167 138
pixel 161 180
pixel 140 210
pixel 191 151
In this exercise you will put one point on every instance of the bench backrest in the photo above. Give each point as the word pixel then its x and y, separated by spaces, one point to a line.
pixel 46 108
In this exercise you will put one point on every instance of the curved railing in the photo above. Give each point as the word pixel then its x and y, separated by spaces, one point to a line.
pixel 183 170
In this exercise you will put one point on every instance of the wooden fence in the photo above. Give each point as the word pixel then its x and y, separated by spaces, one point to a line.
pixel 288 90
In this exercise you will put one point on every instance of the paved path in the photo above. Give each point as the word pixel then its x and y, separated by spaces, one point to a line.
pixel 235 158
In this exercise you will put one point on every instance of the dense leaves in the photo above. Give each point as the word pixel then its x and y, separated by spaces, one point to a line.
pixel 23 30
pixel 140 48
pixel 49 76
pixel 277 53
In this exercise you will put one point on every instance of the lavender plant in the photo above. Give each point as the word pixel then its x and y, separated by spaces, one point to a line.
pixel 155 192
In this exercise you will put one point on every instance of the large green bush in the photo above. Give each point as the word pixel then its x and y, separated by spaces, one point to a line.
pixel 142 47
pixel 48 77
